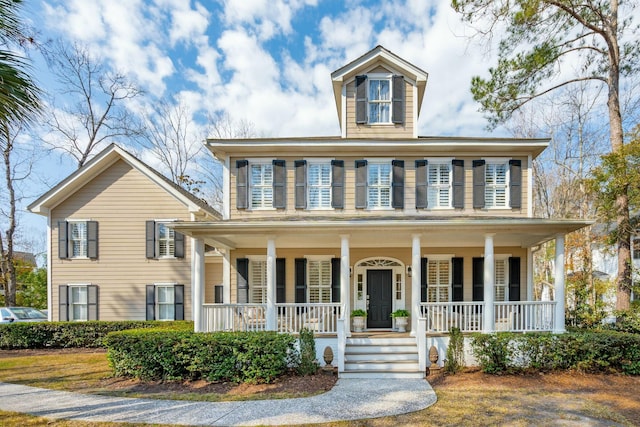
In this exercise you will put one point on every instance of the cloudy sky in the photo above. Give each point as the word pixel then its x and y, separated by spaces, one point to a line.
pixel 269 61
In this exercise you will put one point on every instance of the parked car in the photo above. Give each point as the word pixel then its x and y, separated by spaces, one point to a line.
pixel 21 314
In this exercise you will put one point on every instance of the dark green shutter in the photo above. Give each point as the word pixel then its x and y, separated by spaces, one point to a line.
pixel 479 168
pixel 424 262
pixel 361 99
pixel 458 279
pixel 335 279
pixel 361 184
pixel 218 294
pixel 281 280
pixel 178 302
pixel 150 230
pixel 63 303
pixel 515 183
pixel 151 302
pixel 301 280
pixel 92 239
pixel 337 184
pixel 242 183
pixel 478 279
pixel 458 183
pixel 63 242
pixel 242 268
pixel 92 302
pixel 397 100
pixel 300 167
pixel 397 185
pixel 421 184
pixel 514 278
pixel 279 184
pixel 178 240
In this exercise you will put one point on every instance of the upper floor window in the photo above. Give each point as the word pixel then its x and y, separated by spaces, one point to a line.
pixel 439 185
pixel 379 185
pixel 497 183
pixel 495 191
pixel 379 99
pixel 162 241
pixel 261 186
pixel 319 185
pixel 78 239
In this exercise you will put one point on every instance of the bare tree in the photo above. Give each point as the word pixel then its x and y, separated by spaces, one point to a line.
pixel 92 109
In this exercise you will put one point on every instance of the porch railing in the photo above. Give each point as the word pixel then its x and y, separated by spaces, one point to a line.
pixel 320 318
pixel 520 316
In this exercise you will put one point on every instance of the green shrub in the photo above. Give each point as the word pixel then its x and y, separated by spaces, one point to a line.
pixel 156 354
pixel 626 321
pixel 604 351
pixel 71 334
pixel 308 364
pixel 454 359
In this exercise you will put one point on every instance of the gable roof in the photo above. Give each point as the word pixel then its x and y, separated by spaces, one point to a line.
pixel 102 161
pixel 378 55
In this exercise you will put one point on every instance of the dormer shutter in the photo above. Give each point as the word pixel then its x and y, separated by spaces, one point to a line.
pixel 397 100
pixel 515 184
pixel 361 99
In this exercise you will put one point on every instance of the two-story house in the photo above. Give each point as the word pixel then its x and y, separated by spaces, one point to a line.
pixel 378 218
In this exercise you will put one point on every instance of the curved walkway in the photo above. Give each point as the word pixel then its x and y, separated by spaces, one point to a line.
pixel 349 399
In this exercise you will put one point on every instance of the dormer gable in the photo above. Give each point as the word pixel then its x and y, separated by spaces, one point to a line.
pixel 379 95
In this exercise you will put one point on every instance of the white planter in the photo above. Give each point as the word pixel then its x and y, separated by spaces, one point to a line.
pixel 358 323
pixel 401 323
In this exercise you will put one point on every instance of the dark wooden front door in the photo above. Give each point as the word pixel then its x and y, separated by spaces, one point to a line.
pixel 379 290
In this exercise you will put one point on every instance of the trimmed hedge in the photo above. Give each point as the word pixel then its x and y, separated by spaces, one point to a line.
pixel 71 334
pixel 606 351
pixel 179 355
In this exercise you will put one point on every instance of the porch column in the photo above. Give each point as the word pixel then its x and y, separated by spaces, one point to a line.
pixel 197 283
pixel 559 327
pixel 416 280
pixel 489 284
pixel 345 274
pixel 271 285
pixel 226 276
pixel 529 274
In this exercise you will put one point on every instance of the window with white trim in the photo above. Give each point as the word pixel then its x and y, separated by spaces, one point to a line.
pixel 319 185
pixel 78 303
pixel 165 302
pixel 439 184
pixel 496 185
pixel 319 280
pixel 379 177
pixel 165 241
pixel 78 239
pixel 501 279
pixel 438 280
pixel 261 184
pixel 258 281
pixel 379 100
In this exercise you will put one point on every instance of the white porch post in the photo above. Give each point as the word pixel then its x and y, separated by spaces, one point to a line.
pixel 345 265
pixel 489 284
pixel 529 274
pixel 559 327
pixel 271 285
pixel 197 283
pixel 226 276
pixel 416 280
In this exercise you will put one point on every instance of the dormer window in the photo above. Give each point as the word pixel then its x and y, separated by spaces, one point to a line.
pixel 379 99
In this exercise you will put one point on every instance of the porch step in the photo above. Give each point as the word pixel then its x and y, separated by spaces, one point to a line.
pixel 370 357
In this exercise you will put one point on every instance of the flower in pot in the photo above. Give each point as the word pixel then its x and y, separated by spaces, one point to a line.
pixel 402 319
pixel 358 315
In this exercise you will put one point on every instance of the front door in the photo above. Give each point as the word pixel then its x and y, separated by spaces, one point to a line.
pixel 379 290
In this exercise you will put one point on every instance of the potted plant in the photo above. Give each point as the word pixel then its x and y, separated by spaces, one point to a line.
pixel 402 318
pixel 358 315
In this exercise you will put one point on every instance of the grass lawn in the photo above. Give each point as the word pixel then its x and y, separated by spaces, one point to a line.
pixel 471 398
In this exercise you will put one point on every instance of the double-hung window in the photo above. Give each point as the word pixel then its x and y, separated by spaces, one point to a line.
pixel 78 239
pixel 261 184
pixel 496 185
pixel 438 280
pixel 439 184
pixel 319 185
pixel 379 181
pixel 165 302
pixel 379 100
pixel 258 281
pixel 319 280
pixel 78 301
pixel 165 240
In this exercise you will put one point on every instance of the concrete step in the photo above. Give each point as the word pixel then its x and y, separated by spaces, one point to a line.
pixel 378 374
pixel 366 348
pixel 381 365
pixel 355 356
pixel 381 341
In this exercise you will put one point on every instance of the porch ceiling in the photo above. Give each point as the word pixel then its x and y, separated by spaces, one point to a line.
pixel 296 232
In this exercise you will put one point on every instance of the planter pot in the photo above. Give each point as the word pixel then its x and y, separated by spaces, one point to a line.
pixel 401 323
pixel 358 323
